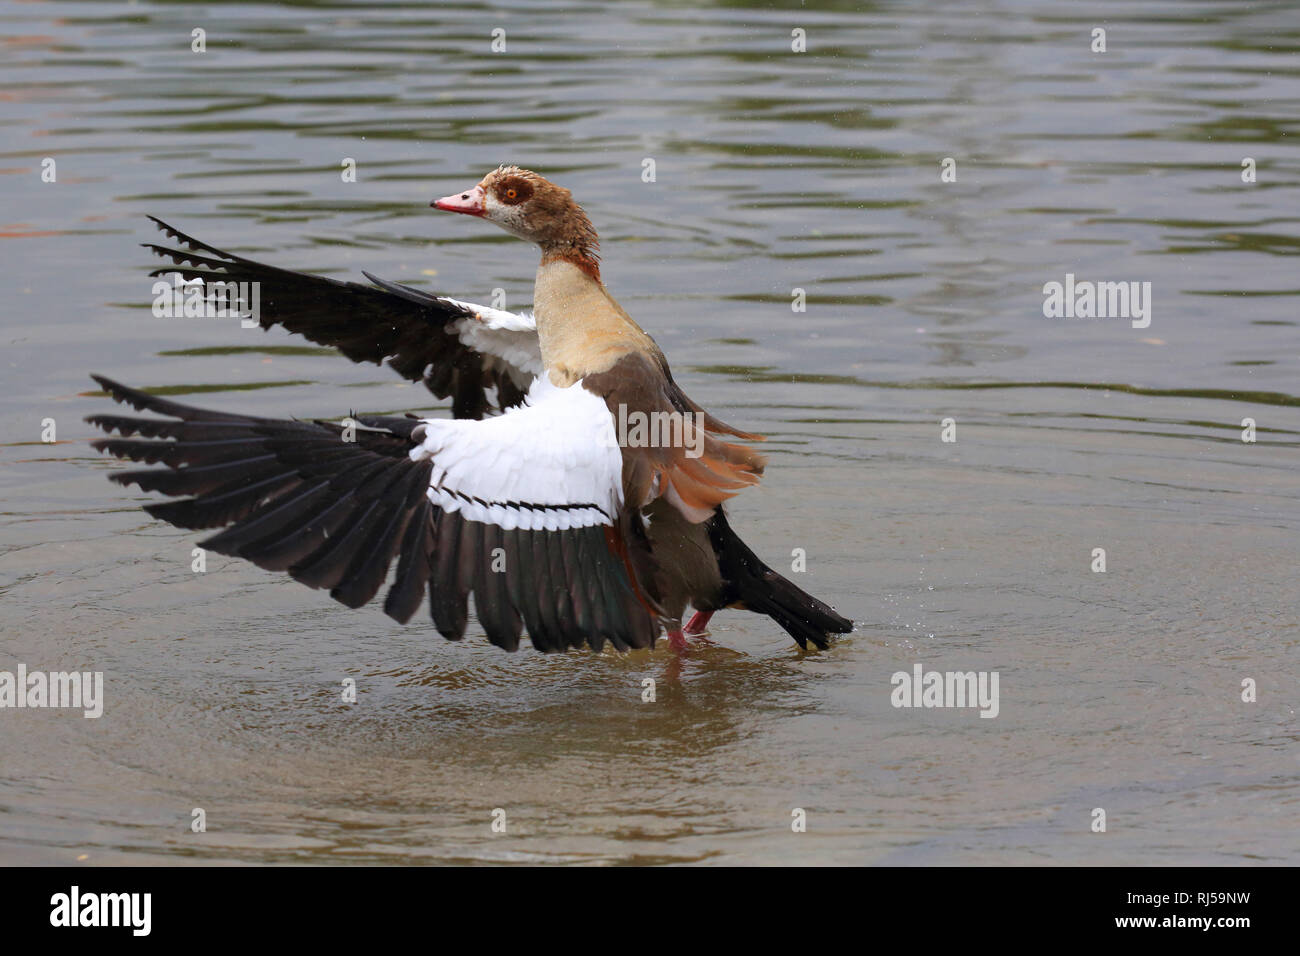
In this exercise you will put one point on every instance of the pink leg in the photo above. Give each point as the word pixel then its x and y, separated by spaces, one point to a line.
pixel 676 640
pixel 699 622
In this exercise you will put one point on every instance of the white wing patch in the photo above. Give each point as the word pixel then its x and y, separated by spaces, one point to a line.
pixel 497 318
pixel 550 464
pixel 508 336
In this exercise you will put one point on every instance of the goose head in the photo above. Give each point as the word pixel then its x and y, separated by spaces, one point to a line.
pixel 527 205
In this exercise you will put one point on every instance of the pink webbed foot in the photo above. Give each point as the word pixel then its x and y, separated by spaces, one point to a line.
pixel 677 640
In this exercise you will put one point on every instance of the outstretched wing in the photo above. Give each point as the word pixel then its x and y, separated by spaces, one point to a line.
pixel 458 349
pixel 524 510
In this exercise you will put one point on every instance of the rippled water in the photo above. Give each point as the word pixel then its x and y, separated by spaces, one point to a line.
pixel 775 171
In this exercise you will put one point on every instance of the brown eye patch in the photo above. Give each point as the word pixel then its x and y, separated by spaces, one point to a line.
pixel 513 190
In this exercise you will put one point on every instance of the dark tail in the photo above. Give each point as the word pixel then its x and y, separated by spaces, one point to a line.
pixel 751 584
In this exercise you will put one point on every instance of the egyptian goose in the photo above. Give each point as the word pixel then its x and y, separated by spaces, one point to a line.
pixel 552 519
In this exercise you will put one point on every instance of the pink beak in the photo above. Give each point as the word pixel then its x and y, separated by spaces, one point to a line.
pixel 470 203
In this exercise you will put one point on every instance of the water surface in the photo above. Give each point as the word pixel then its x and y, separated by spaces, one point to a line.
pixel 774 171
